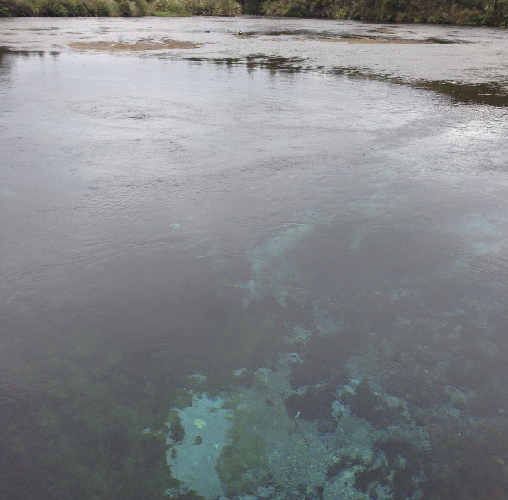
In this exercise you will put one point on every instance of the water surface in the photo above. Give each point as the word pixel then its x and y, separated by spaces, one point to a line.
pixel 270 265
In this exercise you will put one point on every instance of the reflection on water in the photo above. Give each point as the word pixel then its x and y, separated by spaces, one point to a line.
pixel 491 93
pixel 254 61
pixel 6 61
pixel 219 283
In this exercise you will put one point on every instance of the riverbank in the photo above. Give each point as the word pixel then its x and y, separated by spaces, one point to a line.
pixel 461 12
pixel 118 8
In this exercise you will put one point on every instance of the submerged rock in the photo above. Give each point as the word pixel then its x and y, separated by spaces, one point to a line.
pixel 194 459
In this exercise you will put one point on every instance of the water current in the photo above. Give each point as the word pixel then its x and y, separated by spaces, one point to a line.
pixel 253 258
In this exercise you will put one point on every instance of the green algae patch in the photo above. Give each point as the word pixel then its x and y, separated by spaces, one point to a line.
pixel 177 431
pixel 242 465
pixel 470 466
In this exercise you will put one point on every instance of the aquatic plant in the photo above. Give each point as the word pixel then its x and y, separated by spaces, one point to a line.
pixel 242 465
pixel 470 466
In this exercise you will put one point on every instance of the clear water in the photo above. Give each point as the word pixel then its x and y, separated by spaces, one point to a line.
pixel 273 266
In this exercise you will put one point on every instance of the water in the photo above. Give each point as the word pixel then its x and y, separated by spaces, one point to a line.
pixel 270 266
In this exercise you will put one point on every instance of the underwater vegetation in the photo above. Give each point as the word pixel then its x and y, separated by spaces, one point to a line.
pixel 470 466
pixel 87 424
pixel 395 401
pixel 313 387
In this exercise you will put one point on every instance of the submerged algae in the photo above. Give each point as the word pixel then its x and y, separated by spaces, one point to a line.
pixel 242 466
pixel 265 449
pixel 270 270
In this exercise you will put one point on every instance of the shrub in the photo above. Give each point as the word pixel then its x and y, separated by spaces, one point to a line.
pixel 172 7
pixel 251 6
pixel 17 8
pixel 125 9
pixel 103 8
pixel 140 8
pixel 59 8
pixel 212 7
pixel 6 9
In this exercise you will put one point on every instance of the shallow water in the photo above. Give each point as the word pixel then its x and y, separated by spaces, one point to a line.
pixel 272 266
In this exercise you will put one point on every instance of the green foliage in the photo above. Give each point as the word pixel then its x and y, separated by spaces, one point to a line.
pixel 466 12
pixel 124 8
pixel 170 7
pixel 212 7
pixel 136 8
pixel 59 8
pixel 81 8
pixel 251 6
pixel 66 8
pixel 289 8
pixel 139 8
pixel 18 8
pixel 102 8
